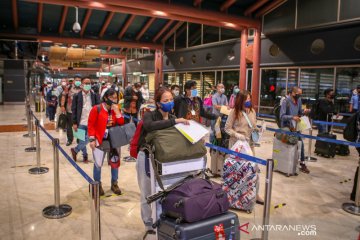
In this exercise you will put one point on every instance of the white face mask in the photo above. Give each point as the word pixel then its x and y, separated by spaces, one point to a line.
pixel 222 90
pixel 63 84
pixel 108 86
pixel 116 89
pixel 176 93
pixel 355 92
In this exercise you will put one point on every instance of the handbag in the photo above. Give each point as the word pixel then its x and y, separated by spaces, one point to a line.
pixel 170 146
pixel 286 138
pixel 121 135
pixel 255 135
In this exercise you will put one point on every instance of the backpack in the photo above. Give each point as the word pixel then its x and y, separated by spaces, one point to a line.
pixel 277 109
pixel 350 132
pixel 314 114
pixel 134 147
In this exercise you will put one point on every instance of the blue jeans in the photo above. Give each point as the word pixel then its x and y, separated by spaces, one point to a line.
pixel 302 154
pixel 82 144
pixel 114 174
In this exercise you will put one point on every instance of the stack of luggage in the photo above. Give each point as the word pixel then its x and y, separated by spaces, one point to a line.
pixel 186 205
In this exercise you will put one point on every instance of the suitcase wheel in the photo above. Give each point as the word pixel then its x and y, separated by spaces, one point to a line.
pixel 288 175
pixel 178 220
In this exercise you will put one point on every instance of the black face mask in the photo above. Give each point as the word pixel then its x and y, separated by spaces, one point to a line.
pixel 109 102
pixel 332 96
pixel 296 97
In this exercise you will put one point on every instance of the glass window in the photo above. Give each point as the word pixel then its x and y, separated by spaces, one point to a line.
pixel 249 79
pixel 210 34
pixel 218 77
pixel 313 83
pixel 227 34
pixel 194 34
pixel 273 87
pixel 293 77
pixel 195 76
pixel 347 79
pixel 208 82
pixel 169 78
pixel 181 36
pixel 230 79
pixel 180 78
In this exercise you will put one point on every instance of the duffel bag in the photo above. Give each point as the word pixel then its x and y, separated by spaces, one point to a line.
pixel 170 146
pixel 121 135
pixel 194 200
pixel 285 138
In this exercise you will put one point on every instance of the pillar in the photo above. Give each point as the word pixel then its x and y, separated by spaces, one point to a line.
pixel 255 85
pixel 123 66
pixel 244 41
pixel 158 68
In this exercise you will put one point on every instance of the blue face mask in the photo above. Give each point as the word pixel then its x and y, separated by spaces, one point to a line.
pixel 236 90
pixel 194 93
pixel 167 107
pixel 247 104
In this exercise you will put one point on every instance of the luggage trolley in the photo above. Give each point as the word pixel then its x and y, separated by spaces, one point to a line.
pixel 170 173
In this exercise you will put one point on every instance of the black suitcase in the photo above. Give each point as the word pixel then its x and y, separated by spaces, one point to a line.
pixel 342 150
pixel 325 149
pixel 201 230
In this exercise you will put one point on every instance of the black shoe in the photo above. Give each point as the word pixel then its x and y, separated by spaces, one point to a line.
pixel 68 143
pixel 260 202
pixel 73 153
pixel 152 232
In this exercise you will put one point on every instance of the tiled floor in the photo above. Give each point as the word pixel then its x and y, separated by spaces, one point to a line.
pixel 313 199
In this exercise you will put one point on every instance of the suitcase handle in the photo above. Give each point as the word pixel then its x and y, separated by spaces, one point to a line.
pixel 179 203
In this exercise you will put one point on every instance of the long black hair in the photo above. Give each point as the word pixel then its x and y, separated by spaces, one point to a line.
pixel 108 93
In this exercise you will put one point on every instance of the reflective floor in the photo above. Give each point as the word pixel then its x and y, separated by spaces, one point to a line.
pixel 313 199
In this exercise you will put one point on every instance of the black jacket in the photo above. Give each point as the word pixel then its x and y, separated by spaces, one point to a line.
pixel 325 108
pixel 181 108
pixel 128 95
pixel 154 121
pixel 77 105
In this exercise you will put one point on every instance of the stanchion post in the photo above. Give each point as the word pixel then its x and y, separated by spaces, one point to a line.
pixel 31 134
pixel 309 157
pixel 57 210
pixel 95 211
pixel 267 204
pixel 354 208
pixel 29 121
pixel 38 169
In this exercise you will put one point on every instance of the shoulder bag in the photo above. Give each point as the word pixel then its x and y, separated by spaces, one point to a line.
pixel 255 136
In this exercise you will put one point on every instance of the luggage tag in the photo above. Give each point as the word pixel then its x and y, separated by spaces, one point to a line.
pixel 106 134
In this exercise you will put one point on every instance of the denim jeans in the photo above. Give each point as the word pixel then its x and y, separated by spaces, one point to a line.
pixel 82 144
pixel 302 155
pixel 114 171
pixel 212 133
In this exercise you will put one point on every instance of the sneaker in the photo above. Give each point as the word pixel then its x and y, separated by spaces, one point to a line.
pixel 101 190
pixel 86 160
pixel 73 153
pixel 115 188
pixel 68 143
pixel 303 168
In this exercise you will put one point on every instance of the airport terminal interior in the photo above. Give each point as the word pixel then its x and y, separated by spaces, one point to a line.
pixel 202 61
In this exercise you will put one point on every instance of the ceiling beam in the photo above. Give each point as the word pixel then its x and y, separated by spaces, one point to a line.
pixel 106 24
pixel 15 14
pixel 85 22
pixel 255 7
pixel 112 56
pixel 126 26
pixel 226 5
pixel 145 28
pixel 171 32
pixel 40 16
pixel 158 35
pixel 197 3
pixel 63 18
pixel 82 41
pixel 269 7
pixel 152 8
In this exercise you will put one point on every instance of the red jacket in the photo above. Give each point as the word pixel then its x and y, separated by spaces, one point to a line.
pixel 98 120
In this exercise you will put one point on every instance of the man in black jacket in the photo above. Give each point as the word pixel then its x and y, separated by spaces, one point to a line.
pixel 81 106
pixel 326 109
pixel 190 106
pixel 132 102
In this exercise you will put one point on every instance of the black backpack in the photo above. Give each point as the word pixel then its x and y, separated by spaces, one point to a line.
pixel 277 109
pixel 314 114
pixel 350 132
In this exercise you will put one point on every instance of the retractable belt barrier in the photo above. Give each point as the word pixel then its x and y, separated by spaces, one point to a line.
pixel 330 123
pixel 265 115
pixel 241 155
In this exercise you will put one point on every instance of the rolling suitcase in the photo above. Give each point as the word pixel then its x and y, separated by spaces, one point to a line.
pixel 342 150
pixel 201 230
pixel 325 149
pixel 286 157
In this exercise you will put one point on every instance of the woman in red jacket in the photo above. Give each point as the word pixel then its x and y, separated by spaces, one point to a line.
pixel 101 118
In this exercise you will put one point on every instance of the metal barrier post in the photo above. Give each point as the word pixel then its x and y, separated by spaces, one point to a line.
pixel 58 210
pixel 95 211
pixel 309 157
pixel 267 204
pixel 31 134
pixel 354 208
pixel 38 169
pixel 29 122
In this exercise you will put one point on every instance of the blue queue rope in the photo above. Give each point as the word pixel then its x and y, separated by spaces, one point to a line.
pixel 357 145
pixel 330 123
pixel 70 160
pixel 240 155
pixel 266 115
pixel 346 114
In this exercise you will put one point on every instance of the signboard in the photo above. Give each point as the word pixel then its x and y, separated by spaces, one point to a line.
pixel 104 74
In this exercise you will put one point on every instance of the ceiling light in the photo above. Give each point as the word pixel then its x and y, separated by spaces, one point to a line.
pixel 97 4
pixel 159 13
pixel 227 24
pixel 76 25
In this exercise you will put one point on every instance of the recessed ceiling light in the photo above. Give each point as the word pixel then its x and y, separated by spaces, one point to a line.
pixel 227 24
pixel 159 13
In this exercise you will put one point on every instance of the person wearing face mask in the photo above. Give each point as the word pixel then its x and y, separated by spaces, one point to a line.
pixel 145 92
pixel 103 117
pixel 237 125
pixel 154 120
pixel 354 101
pixel 290 113
pixel 190 106
pixel 326 109
pixel 132 101
pixel 51 102
pixel 218 100
pixel 233 96
pixel 81 106
pixel 175 90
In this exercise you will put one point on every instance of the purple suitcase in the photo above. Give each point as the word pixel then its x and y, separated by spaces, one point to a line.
pixel 194 200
